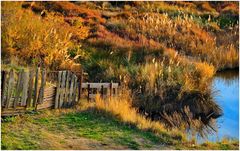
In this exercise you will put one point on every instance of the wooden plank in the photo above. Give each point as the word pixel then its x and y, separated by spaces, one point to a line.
pixel 49 91
pixel 80 85
pixel 4 87
pixel 18 89
pixel 58 90
pixel 74 89
pixel 50 88
pixel 3 77
pixel 47 103
pixel 41 91
pixel 43 83
pixel 66 90
pixel 76 98
pixel 11 111
pixel 35 88
pixel 49 98
pixel 62 93
pixel 30 88
pixel 49 94
pixel 46 93
pixel 71 92
pixel 10 88
pixel 25 88
pixel 99 85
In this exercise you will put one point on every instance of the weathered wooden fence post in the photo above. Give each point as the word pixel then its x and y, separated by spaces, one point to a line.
pixel 56 105
pixel 75 89
pixel 25 88
pixel 10 88
pixel 30 88
pixel 80 85
pixel 62 96
pixel 71 92
pixel 43 83
pixel 19 88
pixel 66 90
pixel 35 88
pixel 3 83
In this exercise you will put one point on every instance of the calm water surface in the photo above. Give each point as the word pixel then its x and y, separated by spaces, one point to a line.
pixel 227 86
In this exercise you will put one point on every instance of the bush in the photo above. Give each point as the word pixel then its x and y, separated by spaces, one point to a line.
pixel 34 39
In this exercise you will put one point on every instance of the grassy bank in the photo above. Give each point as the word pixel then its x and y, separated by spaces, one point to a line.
pixel 84 128
pixel 81 130
pixel 89 128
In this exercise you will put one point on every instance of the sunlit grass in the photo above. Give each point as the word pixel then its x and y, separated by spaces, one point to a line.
pixel 121 107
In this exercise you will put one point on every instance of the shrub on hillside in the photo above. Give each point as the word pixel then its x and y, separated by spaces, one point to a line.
pixel 34 39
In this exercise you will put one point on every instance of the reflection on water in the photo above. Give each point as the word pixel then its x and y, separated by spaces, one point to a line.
pixel 227 85
pixel 228 77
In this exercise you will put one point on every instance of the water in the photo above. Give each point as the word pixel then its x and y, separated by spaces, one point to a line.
pixel 227 86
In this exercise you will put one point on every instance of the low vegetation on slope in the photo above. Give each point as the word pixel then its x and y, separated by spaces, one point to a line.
pixel 91 127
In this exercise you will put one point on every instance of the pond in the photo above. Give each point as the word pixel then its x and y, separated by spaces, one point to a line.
pixel 226 84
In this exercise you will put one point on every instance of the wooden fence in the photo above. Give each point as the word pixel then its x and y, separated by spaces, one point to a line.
pixel 38 89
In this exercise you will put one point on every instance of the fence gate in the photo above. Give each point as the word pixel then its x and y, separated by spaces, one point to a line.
pixel 66 90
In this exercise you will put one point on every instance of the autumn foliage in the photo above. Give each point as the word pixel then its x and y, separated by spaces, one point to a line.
pixel 36 39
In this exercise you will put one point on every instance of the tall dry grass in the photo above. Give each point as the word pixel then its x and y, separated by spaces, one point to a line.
pixel 184 34
pixel 121 107
pixel 35 39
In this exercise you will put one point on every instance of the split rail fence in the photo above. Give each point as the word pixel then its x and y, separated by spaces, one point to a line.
pixel 37 89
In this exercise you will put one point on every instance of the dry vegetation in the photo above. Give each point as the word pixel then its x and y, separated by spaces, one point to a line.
pixel 121 107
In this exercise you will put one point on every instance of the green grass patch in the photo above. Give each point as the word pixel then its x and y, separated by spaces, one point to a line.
pixel 52 131
pixel 20 134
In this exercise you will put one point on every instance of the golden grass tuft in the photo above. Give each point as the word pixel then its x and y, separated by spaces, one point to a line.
pixel 121 107
pixel 205 70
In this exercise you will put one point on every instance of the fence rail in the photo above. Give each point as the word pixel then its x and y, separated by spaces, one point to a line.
pixel 37 89
pixel 105 89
